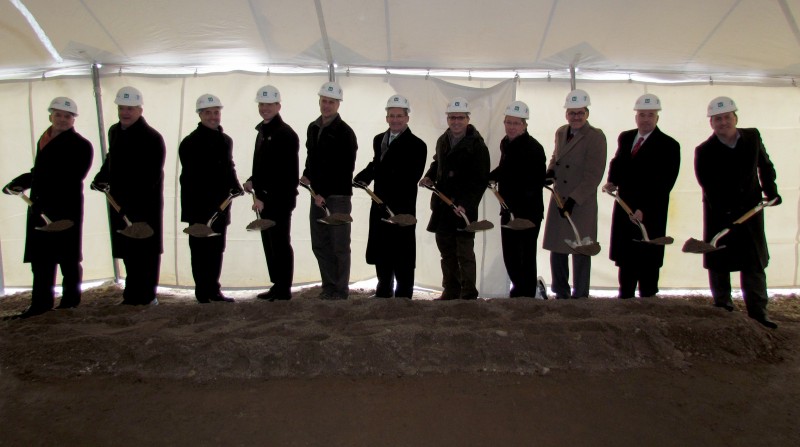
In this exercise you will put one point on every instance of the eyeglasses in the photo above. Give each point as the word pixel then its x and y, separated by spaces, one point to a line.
pixel 578 114
pixel 456 118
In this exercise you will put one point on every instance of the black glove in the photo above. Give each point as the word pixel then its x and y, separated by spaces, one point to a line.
pixel 11 188
pixel 236 192
pixel 98 186
pixel 777 198
pixel 549 177
pixel 361 180
pixel 569 204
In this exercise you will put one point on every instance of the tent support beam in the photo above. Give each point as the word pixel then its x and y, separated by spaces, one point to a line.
pixel 98 103
pixel 323 30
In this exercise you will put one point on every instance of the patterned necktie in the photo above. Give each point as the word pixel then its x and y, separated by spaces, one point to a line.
pixel 637 146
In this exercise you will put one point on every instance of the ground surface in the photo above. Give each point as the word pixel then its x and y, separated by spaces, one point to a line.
pixel 658 372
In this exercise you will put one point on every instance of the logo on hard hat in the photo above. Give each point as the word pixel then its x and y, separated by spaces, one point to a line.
pixel 330 88
pixel 66 103
pixel 516 108
pixel 457 103
pixel 647 100
pixel 720 104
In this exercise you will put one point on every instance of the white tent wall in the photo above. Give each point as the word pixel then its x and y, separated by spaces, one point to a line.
pixel 169 107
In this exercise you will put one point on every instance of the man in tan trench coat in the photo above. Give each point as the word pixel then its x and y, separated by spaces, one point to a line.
pixel 575 171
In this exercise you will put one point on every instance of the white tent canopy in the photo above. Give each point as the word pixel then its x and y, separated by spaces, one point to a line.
pixel 685 52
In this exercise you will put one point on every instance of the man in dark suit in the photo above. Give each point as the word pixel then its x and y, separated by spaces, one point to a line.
pixel 460 171
pixel 642 172
pixel 208 178
pixel 134 173
pixel 397 165
pixel 274 185
pixel 63 158
pixel 735 172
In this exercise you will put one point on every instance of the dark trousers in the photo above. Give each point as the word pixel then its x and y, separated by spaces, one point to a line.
pixel 388 273
pixel 207 263
pixel 459 272
pixel 559 268
pixel 519 257
pixel 754 290
pixel 277 243
pixel 142 272
pixel 331 246
pixel 632 274
pixel 44 278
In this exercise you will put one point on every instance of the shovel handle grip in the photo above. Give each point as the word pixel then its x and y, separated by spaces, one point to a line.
pixel 369 191
pixel 111 201
pixel 444 198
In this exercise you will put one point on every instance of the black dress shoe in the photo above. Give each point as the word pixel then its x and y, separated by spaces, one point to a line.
pixel 222 298
pixel 67 305
pixel 274 295
pixel 766 322
pixel 727 306
pixel 32 312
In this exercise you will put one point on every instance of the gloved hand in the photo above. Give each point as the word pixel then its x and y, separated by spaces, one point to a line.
pixel 609 187
pixel 549 177
pixel 12 189
pixel 98 186
pixel 778 199
pixel 569 204
pixel 361 180
pixel 505 212
pixel 236 192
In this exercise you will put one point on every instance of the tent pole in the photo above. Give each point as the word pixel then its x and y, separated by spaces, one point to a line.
pixel 98 102
pixel 572 76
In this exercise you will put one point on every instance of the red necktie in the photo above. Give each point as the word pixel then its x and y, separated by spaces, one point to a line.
pixel 637 146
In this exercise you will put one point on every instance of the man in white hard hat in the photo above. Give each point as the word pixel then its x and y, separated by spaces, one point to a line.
pixel 736 174
pixel 460 170
pixel 330 161
pixel 642 173
pixel 519 177
pixel 396 167
pixel 575 171
pixel 208 178
pixel 133 174
pixel 63 158
pixel 274 185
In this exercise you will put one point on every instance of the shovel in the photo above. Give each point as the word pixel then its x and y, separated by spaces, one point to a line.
pixel 585 246
pixel 472 227
pixel 699 247
pixel 513 224
pixel 402 220
pixel 665 240
pixel 259 224
pixel 50 226
pixel 138 230
pixel 205 230
pixel 329 219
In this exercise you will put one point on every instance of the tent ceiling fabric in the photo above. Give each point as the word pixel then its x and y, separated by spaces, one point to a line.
pixel 676 41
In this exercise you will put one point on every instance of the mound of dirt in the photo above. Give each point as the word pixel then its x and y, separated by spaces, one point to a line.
pixel 657 372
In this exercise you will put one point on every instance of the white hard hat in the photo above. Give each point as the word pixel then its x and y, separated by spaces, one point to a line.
pixel 206 101
pixel 518 109
pixel 399 102
pixel 268 95
pixel 458 105
pixel 129 96
pixel 331 90
pixel 647 101
pixel 63 103
pixel 721 104
pixel 577 99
